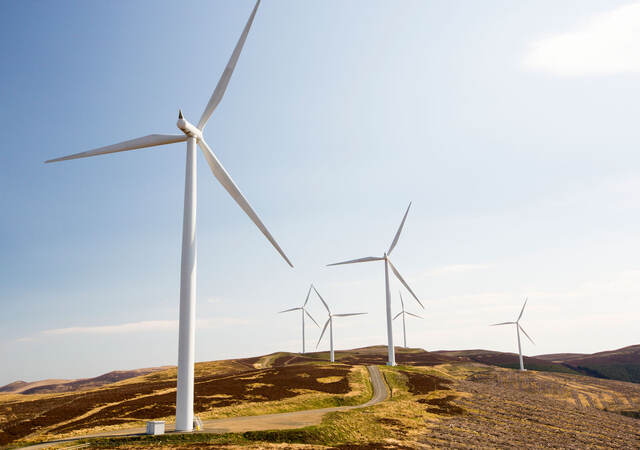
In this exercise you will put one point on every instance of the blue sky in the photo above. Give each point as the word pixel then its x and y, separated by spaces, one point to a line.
pixel 511 126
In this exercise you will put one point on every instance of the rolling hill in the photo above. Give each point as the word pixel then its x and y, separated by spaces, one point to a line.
pixel 437 399
pixel 622 364
pixel 507 360
pixel 53 386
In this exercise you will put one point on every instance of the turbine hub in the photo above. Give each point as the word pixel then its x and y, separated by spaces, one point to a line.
pixel 188 128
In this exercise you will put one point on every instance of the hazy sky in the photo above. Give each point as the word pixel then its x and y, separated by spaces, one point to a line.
pixel 512 126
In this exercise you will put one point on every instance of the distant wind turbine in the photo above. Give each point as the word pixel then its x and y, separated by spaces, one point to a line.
pixel 329 322
pixel 303 311
pixel 387 263
pixel 518 329
pixel 193 136
pixel 403 313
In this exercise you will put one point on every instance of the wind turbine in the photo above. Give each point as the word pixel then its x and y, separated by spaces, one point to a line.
pixel 404 325
pixel 303 311
pixel 193 136
pixel 518 329
pixel 329 322
pixel 387 263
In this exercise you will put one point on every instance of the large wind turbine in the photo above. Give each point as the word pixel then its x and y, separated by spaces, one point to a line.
pixel 329 322
pixel 518 329
pixel 303 311
pixel 403 313
pixel 193 136
pixel 387 263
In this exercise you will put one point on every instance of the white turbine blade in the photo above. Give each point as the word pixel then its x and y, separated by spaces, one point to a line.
pixel 522 310
pixel 503 323
pixel 321 299
pixel 307 299
pixel 415 315
pixel 143 142
pixel 347 315
pixel 397 236
pixel 525 333
pixel 314 320
pixel 397 274
pixel 221 87
pixel 287 310
pixel 359 260
pixel 225 180
pixel 323 330
pixel 398 315
pixel 401 301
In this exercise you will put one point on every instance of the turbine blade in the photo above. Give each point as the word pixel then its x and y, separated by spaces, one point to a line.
pixel 397 236
pixel 359 260
pixel 221 87
pixel 401 301
pixel 522 310
pixel 314 320
pixel 525 333
pixel 415 315
pixel 399 277
pixel 503 323
pixel 225 180
pixel 397 315
pixel 287 310
pixel 142 142
pixel 347 315
pixel 307 299
pixel 323 330
pixel 321 299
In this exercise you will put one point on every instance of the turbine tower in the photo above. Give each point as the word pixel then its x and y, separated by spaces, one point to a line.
pixel 330 323
pixel 404 325
pixel 193 136
pixel 518 329
pixel 303 312
pixel 387 263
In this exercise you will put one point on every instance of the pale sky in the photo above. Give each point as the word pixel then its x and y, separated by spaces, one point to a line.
pixel 511 126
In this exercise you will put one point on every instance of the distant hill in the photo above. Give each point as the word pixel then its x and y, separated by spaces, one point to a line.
pixel 622 364
pixel 58 386
pixel 560 357
pixel 507 360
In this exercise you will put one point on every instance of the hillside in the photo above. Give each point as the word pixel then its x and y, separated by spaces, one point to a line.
pixel 53 386
pixel 507 360
pixel 437 400
pixel 621 364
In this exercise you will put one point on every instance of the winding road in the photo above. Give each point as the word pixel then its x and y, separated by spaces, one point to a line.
pixel 280 421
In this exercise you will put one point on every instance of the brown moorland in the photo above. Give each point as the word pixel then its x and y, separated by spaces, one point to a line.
pixel 507 408
pixel 218 384
pixel 437 401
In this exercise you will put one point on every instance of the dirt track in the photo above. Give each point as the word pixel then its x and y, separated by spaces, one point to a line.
pixel 281 421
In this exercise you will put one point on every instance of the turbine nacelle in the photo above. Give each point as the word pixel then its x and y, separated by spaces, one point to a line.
pixel 188 128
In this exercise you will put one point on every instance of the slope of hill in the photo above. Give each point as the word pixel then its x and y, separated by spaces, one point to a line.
pixel 437 400
pixel 222 388
pixel 621 364
pixel 560 357
pixel 52 386
pixel 507 360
